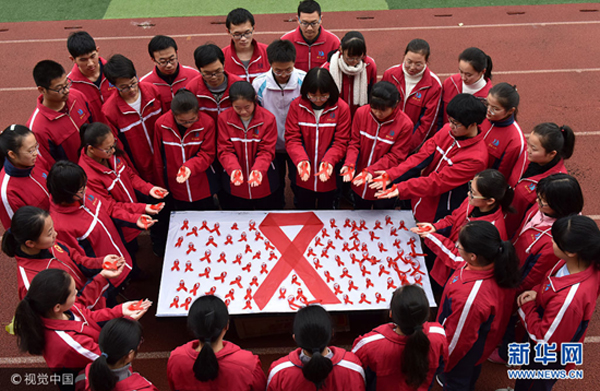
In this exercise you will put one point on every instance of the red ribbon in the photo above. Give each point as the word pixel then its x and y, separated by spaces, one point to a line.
pixel 324 233
pixel 393 232
pixel 257 255
pixel 179 242
pixel 418 279
pixel 303 170
pixel 336 286
pixel 337 235
pixel 194 231
pixel 390 283
pixel 137 306
pixel 254 281
pixel 251 226
pixel 238 281
pixel 255 178
pixel 248 305
pixel 351 286
pixel 372 235
pixel 378 297
pixel 263 269
pixel 388 191
pixel 328 275
pixel 187 303
pixel 402 225
pixel 212 291
pixel 397 243
pixel 324 253
pixel 247 267
pixel 222 258
pixel 329 245
pixel 206 256
pixel 291 302
pixel 175 302
pixel 185 225
pixel 243 237
pixel 363 225
pixel 188 267
pixel 346 247
pixel 381 247
pixel 377 225
pixel 157 206
pixel 345 273
pixel 181 172
pixel 211 241
pixel 354 236
pixel 364 270
pixel 216 229
pixel 347 300
pixel 350 171
pixel 347 223
pixel 258 236
pixel 161 193
pixel 282 293
pixel 363 299
pixel 234 227
pixel 362 175
pixel 417 270
pixel 339 260
pixel 248 294
pixel 332 223
pixel 238 259
pixel 111 265
pixel 230 295
pixel 301 296
pixel 229 240
pixel 269 246
pixel 194 290
pixel 317 264
pixel 181 286
pixel 311 252
pixel 295 279
pixel 318 242
pixel 388 220
pixel 205 226
pixel 248 249
pixel 175 265
pixel 272 256
pixel 369 283
pixel 324 172
pixel 382 270
pixel 190 248
pixel 222 277
pixel 237 177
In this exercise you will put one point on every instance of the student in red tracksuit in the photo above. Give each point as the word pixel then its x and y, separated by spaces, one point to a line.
pixel 168 75
pixel 548 146
pixel 23 169
pixel 354 72
pixel 244 56
pixel 504 138
pixel 315 363
pixel 59 114
pixel 420 90
pixel 474 77
pixel 317 131
pixel 87 75
pixel 446 163
pixel 246 150
pixel 313 43
pixel 211 87
pixel 559 309
pixel 51 321
pixel 119 342
pixel 210 362
pixel 132 112
pixel 32 242
pixel 489 199
pixel 379 141
pixel 477 299
pixel 185 145
pixel 403 355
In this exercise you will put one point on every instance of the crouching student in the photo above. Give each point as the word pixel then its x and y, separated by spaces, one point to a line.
pixel 246 149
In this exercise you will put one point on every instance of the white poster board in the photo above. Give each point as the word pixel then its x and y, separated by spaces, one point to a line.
pixel 276 262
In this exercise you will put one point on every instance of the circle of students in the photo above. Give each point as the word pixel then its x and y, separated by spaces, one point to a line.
pixel 107 154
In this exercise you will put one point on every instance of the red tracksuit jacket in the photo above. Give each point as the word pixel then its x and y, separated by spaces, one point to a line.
pixel 507 147
pixel 315 54
pixel 380 352
pixel 422 105
pixel 377 145
pixel 347 91
pixel 74 343
pixel 453 86
pixel 446 165
pixel 89 227
pixel 95 96
pixel 57 132
pixel 474 309
pixel 322 141
pixel 206 101
pixel 526 195
pixel 22 187
pixel 247 150
pixel 135 130
pixel 347 374
pixel 135 382
pixel 118 183
pixel 452 224
pixel 196 150
pixel 259 63
pixel 239 370
pixel 167 91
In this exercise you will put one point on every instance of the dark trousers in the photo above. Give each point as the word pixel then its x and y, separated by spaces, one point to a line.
pixel 231 202
pixel 361 203
pixel 308 199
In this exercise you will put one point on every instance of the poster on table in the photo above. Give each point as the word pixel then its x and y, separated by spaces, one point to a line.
pixel 275 262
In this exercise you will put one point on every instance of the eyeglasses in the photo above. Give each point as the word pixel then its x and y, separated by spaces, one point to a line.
pixel 541 202
pixel 212 75
pixel 474 197
pixel 186 122
pixel 63 89
pixel 353 59
pixel 314 98
pixel 458 247
pixel 33 151
pixel 238 36
pixel 311 24
pixel 128 88
pixel 455 123
pixel 109 150
pixel 284 72
pixel 166 61
pixel 417 65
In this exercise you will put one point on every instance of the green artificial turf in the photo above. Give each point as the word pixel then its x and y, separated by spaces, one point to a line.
pixel 42 10
pixel 411 4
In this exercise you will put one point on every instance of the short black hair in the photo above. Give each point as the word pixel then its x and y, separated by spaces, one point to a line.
pixel 184 101
pixel 80 43
pixel 562 193
pixel 239 16
pixel 384 95
pixel 281 50
pixel 354 43
pixel 319 79
pixel 118 66
pixel 64 181
pixel 466 109
pixel 207 54
pixel 308 7
pixel 45 71
pixel 160 42
pixel 419 46
pixel 242 90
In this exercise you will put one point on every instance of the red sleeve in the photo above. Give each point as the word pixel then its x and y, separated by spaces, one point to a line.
pixel 111 203
pixel 259 380
pixel 445 250
pixel 450 219
pixel 354 144
pixel 340 137
pixel 293 136
pixel 83 260
pixel 138 183
pixel 266 148
pixel 158 159
pixel 125 211
pixel 104 314
pixel 225 149
pixel 372 72
pixel 398 152
pixel 413 160
pixel 208 149
pixel 93 291
pixel 387 76
pixel 429 117
pixel 510 160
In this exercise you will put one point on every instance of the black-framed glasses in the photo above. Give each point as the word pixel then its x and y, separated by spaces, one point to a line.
pixel 311 24
pixel 474 197
pixel 63 89
pixel 212 75
pixel 129 87
pixel 163 62
pixel 109 150
pixel 238 36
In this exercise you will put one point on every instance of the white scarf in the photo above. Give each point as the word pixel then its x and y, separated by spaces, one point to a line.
pixel 475 87
pixel 411 81
pixel 360 94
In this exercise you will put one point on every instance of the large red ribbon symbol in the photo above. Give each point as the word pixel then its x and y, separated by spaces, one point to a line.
pixel 292 256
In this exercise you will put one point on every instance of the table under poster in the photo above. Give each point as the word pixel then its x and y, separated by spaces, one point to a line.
pixel 275 262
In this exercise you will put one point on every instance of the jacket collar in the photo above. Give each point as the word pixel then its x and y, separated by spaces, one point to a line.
pixel 255 52
pixel 467 276
pixel 125 108
pixel 506 122
pixel 338 355
pixel 79 77
pixel 467 142
pixel 52 115
pixel 67 325
pixel 292 83
pixel 257 118
pixel 560 283
pixel 13 171
pixel 87 161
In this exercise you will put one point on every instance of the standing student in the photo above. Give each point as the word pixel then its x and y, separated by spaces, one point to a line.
pixel 275 91
pixel 548 146
pixel 313 43
pixel 379 141
pixel 474 77
pixel 210 362
pixel 477 299
pixel 87 75
pixel 244 56
pixel 354 72
pixel 246 149
pixel 420 90
pixel 132 112
pixel 59 114
pixel 23 168
pixel 317 131
pixel 168 75
pixel 315 363
pixel 403 355
pixel 119 342
pixel 211 87
pixel 446 163
pixel 502 134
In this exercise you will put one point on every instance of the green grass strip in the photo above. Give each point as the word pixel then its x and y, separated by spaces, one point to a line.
pixel 411 4
pixel 44 10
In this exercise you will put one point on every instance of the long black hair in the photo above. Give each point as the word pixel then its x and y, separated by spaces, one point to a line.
pixel 492 184
pixel 27 224
pixel 562 193
pixel 507 95
pixel 478 60
pixel 94 135
pixel 64 181
pixel 556 138
pixel 580 235
pixel 11 139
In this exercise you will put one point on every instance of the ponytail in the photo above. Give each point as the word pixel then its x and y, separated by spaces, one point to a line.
pixel 492 183
pixel 482 239
pixel 207 318
pixel 478 60
pixel 580 235
pixel 313 330
pixel 410 310
pixel 94 135
pixel 554 138
pixel 27 224
pixel 11 139
pixel 507 96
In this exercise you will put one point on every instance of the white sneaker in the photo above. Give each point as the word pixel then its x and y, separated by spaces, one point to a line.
pixel 506 389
